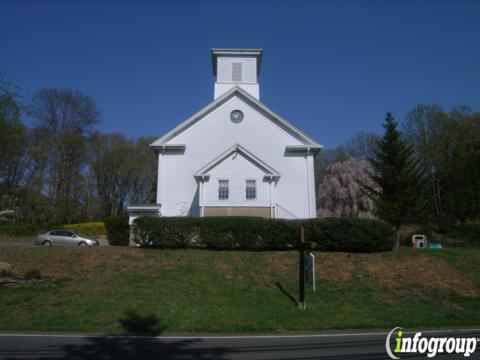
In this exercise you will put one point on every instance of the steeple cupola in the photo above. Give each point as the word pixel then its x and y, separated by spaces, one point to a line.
pixel 236 67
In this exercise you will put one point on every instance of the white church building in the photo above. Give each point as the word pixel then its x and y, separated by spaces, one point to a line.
pixel 235 156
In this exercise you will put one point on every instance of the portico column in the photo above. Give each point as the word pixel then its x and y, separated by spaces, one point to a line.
pixel 272 200
pixel 200 196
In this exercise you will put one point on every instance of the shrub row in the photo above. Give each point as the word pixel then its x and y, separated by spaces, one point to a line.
pixel 25 227
pixel 87 228
pixel 118 230
pixel 349 235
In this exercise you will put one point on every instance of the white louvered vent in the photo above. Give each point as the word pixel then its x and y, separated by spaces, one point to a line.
pixel 236 72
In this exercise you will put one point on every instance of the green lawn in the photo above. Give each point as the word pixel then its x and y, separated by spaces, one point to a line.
pixel 112 290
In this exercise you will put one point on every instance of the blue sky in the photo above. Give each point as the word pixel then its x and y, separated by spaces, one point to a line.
pixel 330 67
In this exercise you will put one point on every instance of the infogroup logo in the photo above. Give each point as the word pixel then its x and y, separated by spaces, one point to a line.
pixel 429 346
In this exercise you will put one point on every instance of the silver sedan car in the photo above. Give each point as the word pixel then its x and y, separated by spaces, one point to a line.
pixel 64 237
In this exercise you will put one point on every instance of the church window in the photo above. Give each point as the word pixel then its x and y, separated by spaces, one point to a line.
pixel 223 189
pixel 251 190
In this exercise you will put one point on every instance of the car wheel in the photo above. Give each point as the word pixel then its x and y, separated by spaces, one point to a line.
pixel 82 244
pixel 46 243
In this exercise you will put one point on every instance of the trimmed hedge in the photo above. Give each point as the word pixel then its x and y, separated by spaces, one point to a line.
pixel 87 228
pixel 118 230
pixel 213 232
pixel 349 235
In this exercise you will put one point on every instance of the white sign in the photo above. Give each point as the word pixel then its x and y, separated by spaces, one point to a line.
pixel 310 271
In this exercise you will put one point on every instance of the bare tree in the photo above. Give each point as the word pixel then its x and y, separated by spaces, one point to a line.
pixel 145 174
pixel 121 170
pixel 63 117
pixel 362 145
pixel 426 129
pixel 111 168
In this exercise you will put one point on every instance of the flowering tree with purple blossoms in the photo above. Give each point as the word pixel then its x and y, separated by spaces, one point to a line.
pixel 340 192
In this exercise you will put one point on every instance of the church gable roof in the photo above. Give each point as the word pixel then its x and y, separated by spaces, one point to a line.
pixel 238 92
pixel 237 148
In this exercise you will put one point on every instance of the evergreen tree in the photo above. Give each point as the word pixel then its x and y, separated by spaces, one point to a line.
pixel 399 195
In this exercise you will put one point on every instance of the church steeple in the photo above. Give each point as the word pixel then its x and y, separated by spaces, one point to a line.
pixel 236 67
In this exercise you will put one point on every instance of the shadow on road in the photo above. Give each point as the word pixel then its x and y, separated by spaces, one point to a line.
pixel 132 345
pixel 122 348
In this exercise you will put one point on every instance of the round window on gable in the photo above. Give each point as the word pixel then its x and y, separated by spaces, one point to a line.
pixel 236 116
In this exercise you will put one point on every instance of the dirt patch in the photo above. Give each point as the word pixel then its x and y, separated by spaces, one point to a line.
pixel 334 266
pixel 412 273
pixel 281 261
pixel 224 269
pixel 417 273
pixel 329 266
pixel 73 262
pixel 404 272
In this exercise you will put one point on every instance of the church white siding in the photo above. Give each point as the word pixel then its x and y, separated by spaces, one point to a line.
pixel 213 135
pixel 209 146
pixel 236 169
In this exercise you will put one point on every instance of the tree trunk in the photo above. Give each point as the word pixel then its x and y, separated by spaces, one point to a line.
pixel 396 245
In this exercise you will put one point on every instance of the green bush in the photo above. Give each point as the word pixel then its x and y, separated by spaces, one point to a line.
pixel 118 230
pixel 349 235
pixel 87 228
pixel 246 233
pixel 26 227
pixel 163 232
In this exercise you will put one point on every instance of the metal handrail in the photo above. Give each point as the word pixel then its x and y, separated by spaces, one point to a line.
pixel 282 213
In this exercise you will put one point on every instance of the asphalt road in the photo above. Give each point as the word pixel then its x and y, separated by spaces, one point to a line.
pixel 355 346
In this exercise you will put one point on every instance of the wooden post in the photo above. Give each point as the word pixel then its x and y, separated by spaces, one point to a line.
pixel 131 240
pixel 301 270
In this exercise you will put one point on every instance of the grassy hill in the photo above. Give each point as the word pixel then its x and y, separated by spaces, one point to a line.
pixel 112 289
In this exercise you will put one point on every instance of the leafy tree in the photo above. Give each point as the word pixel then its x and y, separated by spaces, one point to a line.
pixel 13 140
pixel 447 145
pixel 460 171
pixel 398 198
pixel 426 130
